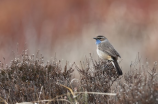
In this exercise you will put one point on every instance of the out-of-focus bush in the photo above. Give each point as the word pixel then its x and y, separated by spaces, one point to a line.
pixel 28 79
pixel 139 85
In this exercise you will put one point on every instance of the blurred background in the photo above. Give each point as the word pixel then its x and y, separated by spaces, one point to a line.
pixel 65 29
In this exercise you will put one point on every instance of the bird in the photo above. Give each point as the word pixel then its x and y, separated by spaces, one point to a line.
pixel 106 51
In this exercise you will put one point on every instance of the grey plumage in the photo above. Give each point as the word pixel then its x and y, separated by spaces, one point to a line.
pixel 106 47
pixel 106 51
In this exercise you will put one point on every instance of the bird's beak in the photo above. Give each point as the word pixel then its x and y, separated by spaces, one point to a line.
pixel 94 38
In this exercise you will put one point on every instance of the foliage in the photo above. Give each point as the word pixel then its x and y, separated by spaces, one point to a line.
pixel 29 79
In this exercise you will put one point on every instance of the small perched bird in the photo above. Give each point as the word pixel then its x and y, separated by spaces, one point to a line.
pixel 107 52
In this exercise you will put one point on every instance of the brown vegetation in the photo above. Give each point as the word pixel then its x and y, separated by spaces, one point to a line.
pixel 29 79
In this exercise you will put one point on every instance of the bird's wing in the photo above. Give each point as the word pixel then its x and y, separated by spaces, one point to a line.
pixel 109 49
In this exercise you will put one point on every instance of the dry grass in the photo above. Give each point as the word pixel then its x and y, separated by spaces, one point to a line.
pixel 29 79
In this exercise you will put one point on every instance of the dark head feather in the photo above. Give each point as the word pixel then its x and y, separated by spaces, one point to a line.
pixel 100 37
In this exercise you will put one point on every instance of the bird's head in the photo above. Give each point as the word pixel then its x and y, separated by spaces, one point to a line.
pixel 100 39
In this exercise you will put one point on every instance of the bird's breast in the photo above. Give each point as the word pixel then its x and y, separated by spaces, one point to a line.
pixel 103 55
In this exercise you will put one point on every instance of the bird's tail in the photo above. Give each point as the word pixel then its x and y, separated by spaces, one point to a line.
pixel 118 69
